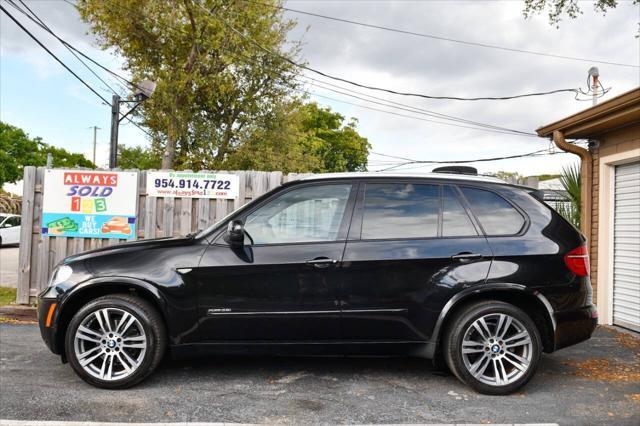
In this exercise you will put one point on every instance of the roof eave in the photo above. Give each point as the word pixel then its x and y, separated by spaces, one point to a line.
pixel 591 122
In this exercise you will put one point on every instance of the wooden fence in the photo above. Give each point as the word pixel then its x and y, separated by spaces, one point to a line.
pixel 155 217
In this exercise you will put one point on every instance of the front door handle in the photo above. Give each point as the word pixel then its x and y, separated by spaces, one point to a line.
pixel 466 257
pixel 321 262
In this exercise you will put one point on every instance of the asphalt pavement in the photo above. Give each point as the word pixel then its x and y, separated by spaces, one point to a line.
pixel 9 266
pixel 595 382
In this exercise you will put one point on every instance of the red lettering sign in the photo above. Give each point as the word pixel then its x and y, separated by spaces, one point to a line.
pixel 94 179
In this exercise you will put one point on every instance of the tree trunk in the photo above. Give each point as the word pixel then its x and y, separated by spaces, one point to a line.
pixel 170 147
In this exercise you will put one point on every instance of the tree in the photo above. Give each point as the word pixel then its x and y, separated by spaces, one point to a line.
pixel 337 144
pixel 138 157
pixel 302 138
pixel 570 180
pixel 571 8
pixel 212 78
pixel 17 150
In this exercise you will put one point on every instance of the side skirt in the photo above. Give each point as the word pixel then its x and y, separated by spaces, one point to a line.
pixel 329 348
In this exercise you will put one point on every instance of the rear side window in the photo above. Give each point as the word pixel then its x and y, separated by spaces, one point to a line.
pixel 455 221
pixel 399 210
pixel 495 214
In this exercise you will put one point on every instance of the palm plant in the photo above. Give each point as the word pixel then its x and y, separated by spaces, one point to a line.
pixel 570 180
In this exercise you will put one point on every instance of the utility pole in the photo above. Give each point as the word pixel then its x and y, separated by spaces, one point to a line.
pixel 115 121
pixel 95 131
pixel 144 89
pixel 594 75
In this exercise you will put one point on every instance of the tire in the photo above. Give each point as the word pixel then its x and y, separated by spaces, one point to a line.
pixel 488 364
pixel 122 353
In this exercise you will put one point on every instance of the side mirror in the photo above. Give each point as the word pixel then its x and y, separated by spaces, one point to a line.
pixel 235 233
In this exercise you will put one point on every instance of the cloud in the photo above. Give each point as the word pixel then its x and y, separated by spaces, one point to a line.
pixel 408 63
pixel 422 65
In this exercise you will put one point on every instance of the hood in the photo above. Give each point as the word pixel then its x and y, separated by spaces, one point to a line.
pixel 132 246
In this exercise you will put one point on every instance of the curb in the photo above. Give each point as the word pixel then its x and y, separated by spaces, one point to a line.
pixel 19 313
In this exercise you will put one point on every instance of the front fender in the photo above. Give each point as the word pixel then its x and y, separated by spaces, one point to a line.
pixel 77 296
pixel 127 282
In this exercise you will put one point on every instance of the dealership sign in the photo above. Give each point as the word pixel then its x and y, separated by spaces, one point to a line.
pixel 91 204
pixel 192 185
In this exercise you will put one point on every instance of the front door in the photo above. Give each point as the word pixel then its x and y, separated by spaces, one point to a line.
pixel 282 285
pixel 412 246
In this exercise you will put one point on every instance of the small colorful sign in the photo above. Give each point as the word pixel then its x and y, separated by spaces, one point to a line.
pixel 90 204
pixel 193 185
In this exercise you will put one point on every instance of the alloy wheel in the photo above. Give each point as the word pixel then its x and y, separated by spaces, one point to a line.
pixel 497 349
pixel 110 344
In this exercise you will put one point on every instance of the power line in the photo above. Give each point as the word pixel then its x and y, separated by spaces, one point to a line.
pixel 391 104
pixel 382 89
pixel 436 37
pixel 480 126
pixel 65 65
pixel 52 54
pixel 70 46
pixel 410 116
pixel 44 26
pixel 538 153
pixel 488 127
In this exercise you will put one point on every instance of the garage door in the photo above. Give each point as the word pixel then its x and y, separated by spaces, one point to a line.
pixel 626 260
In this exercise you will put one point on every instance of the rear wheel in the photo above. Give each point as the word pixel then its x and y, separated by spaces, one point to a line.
pixel 492 346
pixel 115 341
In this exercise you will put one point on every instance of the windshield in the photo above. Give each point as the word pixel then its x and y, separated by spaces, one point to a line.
pixel 2 218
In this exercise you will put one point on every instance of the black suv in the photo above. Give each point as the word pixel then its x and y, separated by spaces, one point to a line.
pixel 464 269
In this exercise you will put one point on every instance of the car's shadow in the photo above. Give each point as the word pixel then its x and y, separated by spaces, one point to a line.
pixel 268 367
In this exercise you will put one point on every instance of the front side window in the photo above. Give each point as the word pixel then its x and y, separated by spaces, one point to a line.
pixel 308 214
pixel 400 210
pixel 495 214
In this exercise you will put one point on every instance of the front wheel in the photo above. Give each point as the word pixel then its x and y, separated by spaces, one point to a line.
pixel 492 346
pixel 115 341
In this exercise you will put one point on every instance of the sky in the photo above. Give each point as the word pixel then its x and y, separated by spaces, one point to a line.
pixel 41 97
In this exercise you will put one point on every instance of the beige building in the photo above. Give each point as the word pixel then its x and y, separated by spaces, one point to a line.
pixel 610 200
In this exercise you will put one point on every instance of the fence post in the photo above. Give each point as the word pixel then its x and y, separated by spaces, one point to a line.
pixel 26 228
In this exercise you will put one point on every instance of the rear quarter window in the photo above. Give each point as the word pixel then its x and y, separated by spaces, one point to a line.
pixel 495 214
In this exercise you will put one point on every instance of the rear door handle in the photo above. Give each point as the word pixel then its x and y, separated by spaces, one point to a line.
pixel 465 257
pixel 321 262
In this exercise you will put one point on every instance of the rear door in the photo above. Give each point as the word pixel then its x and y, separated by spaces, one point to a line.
pixel 411 246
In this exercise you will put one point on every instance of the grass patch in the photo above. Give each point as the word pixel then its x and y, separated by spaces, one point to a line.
pixel 7 295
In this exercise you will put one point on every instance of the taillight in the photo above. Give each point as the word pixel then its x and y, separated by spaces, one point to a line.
pixel 577 261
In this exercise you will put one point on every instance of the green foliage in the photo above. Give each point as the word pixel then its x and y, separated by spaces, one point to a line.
pixel 275 142
pixel 571 8
pixel 7 296
pixel 212 83
pixel 302 138
pixel 570 180
pixel 337 144
pixel 137 157
pixel 17 150
pixel 544 177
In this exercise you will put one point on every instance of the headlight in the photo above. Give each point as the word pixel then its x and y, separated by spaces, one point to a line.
pixel 62 273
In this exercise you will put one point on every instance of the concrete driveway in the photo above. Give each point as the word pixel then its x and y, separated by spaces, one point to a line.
pixel 9 266
pixel 596 382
